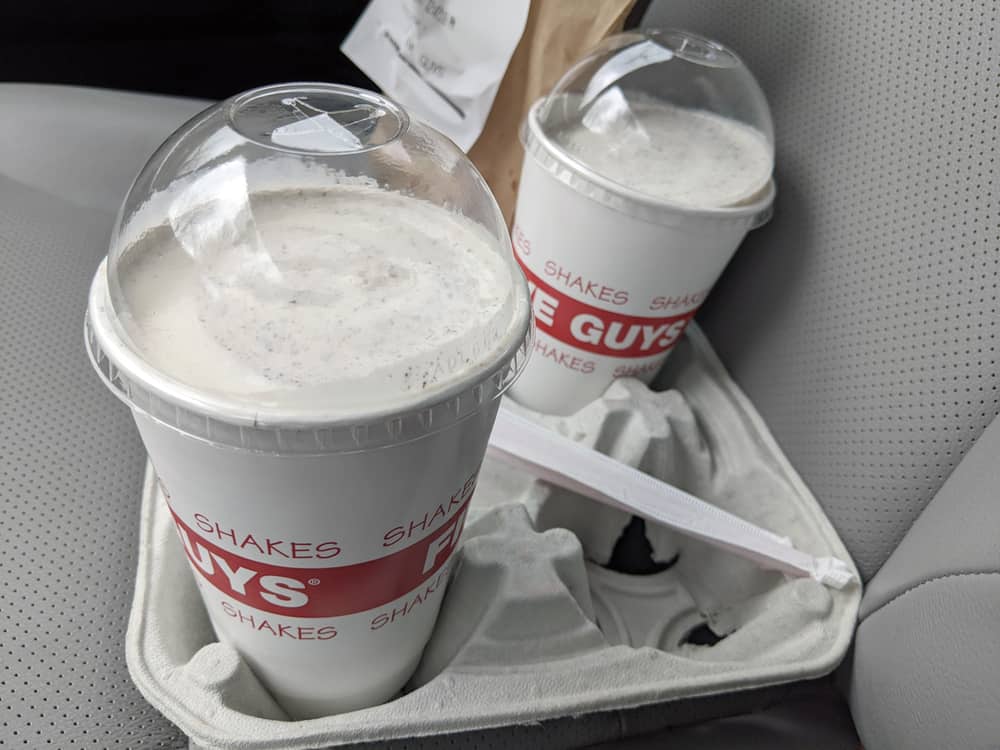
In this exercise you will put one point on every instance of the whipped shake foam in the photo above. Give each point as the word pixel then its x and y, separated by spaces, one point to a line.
pixel 346 295
pixel 684 156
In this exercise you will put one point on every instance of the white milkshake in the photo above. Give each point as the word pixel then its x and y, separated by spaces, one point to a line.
pixel 348 291
pixel 313 334
pixel 684 156
pixel 635 191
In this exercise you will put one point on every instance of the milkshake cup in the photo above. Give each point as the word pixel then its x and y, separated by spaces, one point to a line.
pixel 644 169
pixel 311 307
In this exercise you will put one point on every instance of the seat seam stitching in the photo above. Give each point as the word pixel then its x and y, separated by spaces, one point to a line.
pixel 934 495
pixel 914 587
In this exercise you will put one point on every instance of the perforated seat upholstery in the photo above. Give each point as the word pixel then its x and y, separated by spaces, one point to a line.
pixel 863 320
pixel 864 323
pixel 70 461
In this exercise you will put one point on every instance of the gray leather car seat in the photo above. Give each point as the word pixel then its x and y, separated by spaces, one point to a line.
pixel 862 321
pixel 70 463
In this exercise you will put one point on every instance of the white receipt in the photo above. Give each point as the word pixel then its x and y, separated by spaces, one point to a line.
pixel 443 60
pixel 551 457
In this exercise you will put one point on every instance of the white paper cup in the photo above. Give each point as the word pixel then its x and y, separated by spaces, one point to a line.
pixel 615 276
pixel 289 308
pixel 322 552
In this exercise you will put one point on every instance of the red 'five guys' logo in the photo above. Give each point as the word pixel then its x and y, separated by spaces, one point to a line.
pixel 321 592
pixel 594 329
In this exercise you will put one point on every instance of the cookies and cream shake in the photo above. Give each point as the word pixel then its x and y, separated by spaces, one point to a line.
pixel 355 294
pixel 311 306
pixel 644 169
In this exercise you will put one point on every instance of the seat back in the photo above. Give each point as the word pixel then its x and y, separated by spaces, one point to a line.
pixel 864 323
pixel 71 464
pixel 863 320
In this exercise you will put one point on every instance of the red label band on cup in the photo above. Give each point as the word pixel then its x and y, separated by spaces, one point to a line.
pixel 594 329
pixel 321 592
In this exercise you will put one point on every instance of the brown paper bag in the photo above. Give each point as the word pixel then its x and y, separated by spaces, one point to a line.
pixel 557 34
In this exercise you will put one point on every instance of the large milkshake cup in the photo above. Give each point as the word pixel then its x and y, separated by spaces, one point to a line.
pixel 643 171
pixel 311 306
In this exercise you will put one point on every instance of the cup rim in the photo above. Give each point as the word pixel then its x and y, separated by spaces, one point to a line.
pixel 573 172
pixel 219 420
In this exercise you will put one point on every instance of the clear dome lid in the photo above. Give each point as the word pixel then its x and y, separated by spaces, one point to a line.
pixel 305 252
pixel 662 117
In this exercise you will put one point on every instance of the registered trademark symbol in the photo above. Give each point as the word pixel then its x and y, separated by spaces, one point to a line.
pixel 313 582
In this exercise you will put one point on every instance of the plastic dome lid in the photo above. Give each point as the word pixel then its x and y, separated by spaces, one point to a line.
pixel 304 254
pixel 657 119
